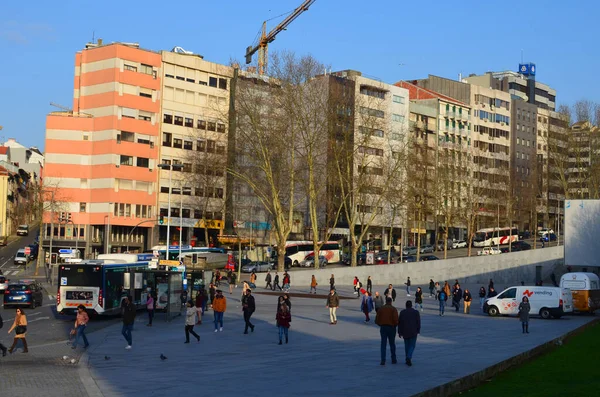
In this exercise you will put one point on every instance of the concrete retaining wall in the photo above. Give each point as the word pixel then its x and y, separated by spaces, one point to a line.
pixel 505 269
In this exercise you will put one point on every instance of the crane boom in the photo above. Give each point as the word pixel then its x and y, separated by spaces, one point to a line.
pixel 267 38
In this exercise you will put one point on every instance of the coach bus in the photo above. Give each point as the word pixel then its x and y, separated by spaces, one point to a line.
pixel 298 251
pixel 101 284
pixel 216 258
pixel 495 236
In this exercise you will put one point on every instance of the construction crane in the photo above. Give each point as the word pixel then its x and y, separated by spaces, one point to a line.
pixel 266 38
pixel 66 109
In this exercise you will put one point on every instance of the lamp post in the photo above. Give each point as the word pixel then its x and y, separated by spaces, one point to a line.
pixel 170 167
pixel 418 203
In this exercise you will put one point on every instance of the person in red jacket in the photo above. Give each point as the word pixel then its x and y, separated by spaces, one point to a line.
pixel 283 318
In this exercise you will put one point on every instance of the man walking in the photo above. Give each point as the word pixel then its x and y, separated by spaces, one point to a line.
pixel 456 297
pixel 407 283
pixel 390 292
pixel 219 307
pixel 268 281
pixel 248 307
pixel 369 285
pixel 378 301
pixel 276 282
pixel 128 320
pixel 387 319
pixel 409 326
pixel 333 302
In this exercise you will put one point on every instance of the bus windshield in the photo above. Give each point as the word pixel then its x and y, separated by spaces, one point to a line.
pixel 81 275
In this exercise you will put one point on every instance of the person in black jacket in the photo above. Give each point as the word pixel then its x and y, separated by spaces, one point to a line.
pixel 331 282
pixel 391 292
pixel 431 287
pixel 467 298
pixel 492 292
pixel 128 320
pixel 268 281
pixel 248 307
pixel 369 285
pixel 409 326
pixel 456 297
pixel 276 282
pixel 481 297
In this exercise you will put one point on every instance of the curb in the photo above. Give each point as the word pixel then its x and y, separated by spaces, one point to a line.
pixel 476 379
pixel 85 375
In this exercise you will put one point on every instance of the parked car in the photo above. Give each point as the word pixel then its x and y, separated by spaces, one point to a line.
pixel 489 251
pixel 429 258
pixel 524 235
pixel 459 244
pixel 287 262
pixel 449 244
pixel 23 293
pixel 410 250
pixel 309 261
pixel 20 257
pixel 408 259
pixel 548 237
pixel 3 284
pixel 257 267
pixel 382 258
pixel 23 230
pixel 426 249
pixel 516 246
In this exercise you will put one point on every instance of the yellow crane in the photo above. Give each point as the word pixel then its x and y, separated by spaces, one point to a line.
pixel 266 38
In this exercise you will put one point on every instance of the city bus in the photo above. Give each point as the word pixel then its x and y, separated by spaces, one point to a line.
pixel 298 251
pixel 495 236
pixel 101 284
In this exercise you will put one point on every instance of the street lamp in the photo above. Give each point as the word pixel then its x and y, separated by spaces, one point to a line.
pixel 170 167
pixel 418 204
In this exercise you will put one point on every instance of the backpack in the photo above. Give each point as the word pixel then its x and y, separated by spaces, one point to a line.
pixel 443 295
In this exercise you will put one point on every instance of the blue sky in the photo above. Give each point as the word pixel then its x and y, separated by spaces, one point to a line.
pixel 388 39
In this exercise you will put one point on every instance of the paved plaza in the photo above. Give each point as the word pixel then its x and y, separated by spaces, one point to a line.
pixel 337 360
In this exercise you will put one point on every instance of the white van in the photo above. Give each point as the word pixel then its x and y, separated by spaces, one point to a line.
pixel 545 301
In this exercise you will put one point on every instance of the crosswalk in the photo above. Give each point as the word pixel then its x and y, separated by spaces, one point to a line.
pixel 12 272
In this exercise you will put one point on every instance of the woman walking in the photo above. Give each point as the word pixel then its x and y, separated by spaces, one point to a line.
pixel 283 319
pixel 150 308
pixel 438 288
pixel 366 306
pixel 80 324
pixel 481 297
pixel 20 327
pixel 447 289
pixel 431 287
pixel 467 298
pixel 313 285
pixel 212 290
pixel 419 299
pixel 524 309
pixel 199 303
pixel 190 320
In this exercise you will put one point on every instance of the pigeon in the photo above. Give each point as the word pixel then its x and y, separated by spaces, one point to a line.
pixel 163 357
pixel 72 361
pixel 65 357
pixel 106 358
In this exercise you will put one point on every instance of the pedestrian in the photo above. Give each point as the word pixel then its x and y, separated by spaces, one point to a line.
pixel 442 297
pixel 438 288
pixel 245 287
pixel 355 282
pixel 524 309
pixel 204 300
pixel 198 305
pixel 313 284
pixel 456 297
pixel 553 279
pixel 481 297
pixel 253 277
pixel 407 283
pixel 183 297
pixel 128 320
pixel 387 319
pixel 20 327
pixel 219 307
pixel 447 290
pixel 409 326
pixel 391 292
pixel 212 291
pixel 491 284
pixel 358 288
pixel 248 307
pixel 286 299
pixel 366 306
pixel 332 283
pixel 467 298
pixel 268 281
pixel 276 282
pixel 491 292
pixel 2 347
pixel 378 301
pixel 333 302
pixel 190 320
pixel 286 282
pixel 232 280
pixel 283 319
pixel 431 287
pixel 419 299
pixel 80 323
pixel 369 285
pixel 150 305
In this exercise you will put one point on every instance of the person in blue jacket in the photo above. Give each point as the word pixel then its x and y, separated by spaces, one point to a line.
pixel 366 305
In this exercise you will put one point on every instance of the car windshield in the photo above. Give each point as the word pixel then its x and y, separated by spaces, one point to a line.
pixel 18 287
pixel 20 254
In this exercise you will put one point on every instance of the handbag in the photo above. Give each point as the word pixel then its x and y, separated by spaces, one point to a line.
pixel 21 329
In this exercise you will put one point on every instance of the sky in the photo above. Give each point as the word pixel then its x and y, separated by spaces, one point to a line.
pixel 390 40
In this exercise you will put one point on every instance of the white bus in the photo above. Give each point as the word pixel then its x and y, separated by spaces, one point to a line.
pixel 494 236
pixel 298 251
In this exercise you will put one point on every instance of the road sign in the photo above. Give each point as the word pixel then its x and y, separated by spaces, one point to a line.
pixel 169 263
pixel 65 251
pixel 27 251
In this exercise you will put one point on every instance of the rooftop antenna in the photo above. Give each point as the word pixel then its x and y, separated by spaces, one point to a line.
pixel 93 35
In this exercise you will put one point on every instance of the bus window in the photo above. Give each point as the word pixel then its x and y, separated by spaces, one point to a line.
pixel 291 250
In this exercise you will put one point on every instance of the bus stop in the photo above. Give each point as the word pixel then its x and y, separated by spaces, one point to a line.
pixel 167 287
pixel 196 275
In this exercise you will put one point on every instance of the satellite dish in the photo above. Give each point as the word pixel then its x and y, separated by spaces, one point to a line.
pixel 180 50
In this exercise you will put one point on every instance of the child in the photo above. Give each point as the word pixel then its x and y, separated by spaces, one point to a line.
pixel 283 318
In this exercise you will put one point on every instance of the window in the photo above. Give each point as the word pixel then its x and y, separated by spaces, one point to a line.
pixel 212 126
pixel 175 190
pixel 178 120
pixel 175 212
pixel 187 167
pixel 398 118
pixel 199 192
pixel 190 80
pixel 212 81
pixel 129 113
pixel 219 192
pixel 372 112
pixel 189 122
pixel 130 68
pixel 127 136
pixel 167 141
pixel 188 145
pixel 126 160
pixel 145 92
pixel 508 294
pixel 201 145
pixel 211 146
pixel 86 137
pixel 186 213
pixel 220 149
pixel 398 99
pixel 145 116
pixel 168 118
pixel 187 191
pixel 220 127
pixel 143 162
pixel 197 214
pixel 177 143
pixel 147 69
pixel 223 84
pixel 201 124
pixel 370 150
pixel 143 140
pixel 164 189
pixel 81 207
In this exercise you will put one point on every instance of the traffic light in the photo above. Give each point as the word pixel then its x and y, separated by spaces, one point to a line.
pixel 161 219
